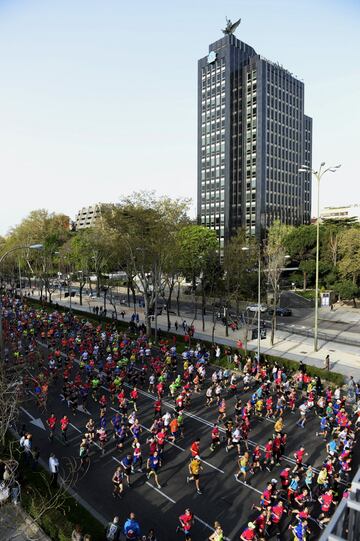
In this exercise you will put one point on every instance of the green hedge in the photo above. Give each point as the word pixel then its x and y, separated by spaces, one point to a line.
pixel 58 524
pixel 293 366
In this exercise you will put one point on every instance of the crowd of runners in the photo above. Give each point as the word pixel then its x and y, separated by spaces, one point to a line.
pixel 98 363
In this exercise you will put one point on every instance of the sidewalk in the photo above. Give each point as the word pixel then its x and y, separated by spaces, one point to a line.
pixel 15 525
pixel 344 359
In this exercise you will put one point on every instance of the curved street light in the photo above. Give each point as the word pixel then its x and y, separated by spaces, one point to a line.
pixel 318 175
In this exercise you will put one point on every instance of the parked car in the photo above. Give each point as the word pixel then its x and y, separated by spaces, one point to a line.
pixel 282 312
pixel 255 307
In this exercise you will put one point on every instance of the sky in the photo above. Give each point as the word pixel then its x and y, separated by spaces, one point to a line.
pixel 99 98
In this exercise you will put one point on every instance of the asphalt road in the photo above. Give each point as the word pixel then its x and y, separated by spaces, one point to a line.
pixel 223 498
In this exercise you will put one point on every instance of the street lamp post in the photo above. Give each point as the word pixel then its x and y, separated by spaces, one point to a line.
pixel 318 175
pixel 31 247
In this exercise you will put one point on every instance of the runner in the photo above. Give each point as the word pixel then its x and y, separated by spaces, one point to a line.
pixel 64 424
pixel 186 522
pixel 194 471
pixel 51 422
pixel 117 480
pixel 153 465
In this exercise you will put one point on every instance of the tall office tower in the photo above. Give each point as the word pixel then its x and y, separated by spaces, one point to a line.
pixel 253 137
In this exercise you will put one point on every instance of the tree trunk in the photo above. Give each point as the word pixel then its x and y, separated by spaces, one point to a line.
pixel 178 300
pixel 81 287
pixel 226 320
pixel 304 281
pixel 147 316
pixel 134 297
pixel 168 305
pixel 214 324
pixel 155 317
pixel 105 294
pixel 128 294
pixel 98 284
pixel 273 322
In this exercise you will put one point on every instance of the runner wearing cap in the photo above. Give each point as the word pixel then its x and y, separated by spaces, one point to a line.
pixel 249 533
pixel 194 471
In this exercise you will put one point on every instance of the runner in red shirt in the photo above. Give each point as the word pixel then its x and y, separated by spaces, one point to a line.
pixel 157 408
pixel 276 514
pixel 51 422
pixel 64 423
pixel 195 448
pixel 285 478
pixel 299 456
pixel 269 461
pixel 186 521
pixel 265 499
pixel 134 395
pixel 215 437
pixel 249 532
pixel 326 501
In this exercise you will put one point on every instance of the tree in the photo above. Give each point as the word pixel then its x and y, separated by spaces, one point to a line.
pixel 145 229
pixel 349 248
pixel 197 244
pixel 240 275
pixel 301 245
pixel 307 267
pixel 39 227
pixel 347 290
pixel 275 252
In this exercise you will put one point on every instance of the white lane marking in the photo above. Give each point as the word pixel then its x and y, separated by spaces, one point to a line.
pixel 75 428
pixel 160 492
pixel 198 519
pixel 193 416
pixel 211 466
pixel 178 447
pixel 248 486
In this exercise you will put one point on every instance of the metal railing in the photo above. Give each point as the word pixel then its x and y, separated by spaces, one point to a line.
pixel 345 522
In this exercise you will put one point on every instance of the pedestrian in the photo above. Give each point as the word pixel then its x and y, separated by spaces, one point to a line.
pixel 54 469
pixel 27 446
pixel 131 528
pixel 76 534
pixel 113 530
pixel 327 363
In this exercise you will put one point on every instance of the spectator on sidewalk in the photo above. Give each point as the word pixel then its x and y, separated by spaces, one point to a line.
pixel 132 528
pixel 77 533
pixel 113 530
pixel 54 469
pixel 327 363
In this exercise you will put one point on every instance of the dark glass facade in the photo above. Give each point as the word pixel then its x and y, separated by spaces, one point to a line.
pixel 253 137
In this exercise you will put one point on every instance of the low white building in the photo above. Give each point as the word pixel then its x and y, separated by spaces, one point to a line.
pixel 341 213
